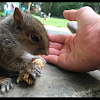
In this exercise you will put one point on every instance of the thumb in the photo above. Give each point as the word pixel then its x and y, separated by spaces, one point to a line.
pixel 70 14
pixel 74 15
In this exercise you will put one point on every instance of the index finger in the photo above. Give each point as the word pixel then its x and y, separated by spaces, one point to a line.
pixel 51 59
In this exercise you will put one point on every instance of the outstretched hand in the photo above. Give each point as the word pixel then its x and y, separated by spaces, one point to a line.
pixel 78 52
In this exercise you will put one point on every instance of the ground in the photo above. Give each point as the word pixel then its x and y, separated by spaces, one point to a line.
pixel 56 82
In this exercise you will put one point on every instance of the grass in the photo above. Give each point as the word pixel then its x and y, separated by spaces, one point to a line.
pixel 58 22
pixel 2 13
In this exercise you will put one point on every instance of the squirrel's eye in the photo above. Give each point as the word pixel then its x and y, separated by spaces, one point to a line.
pixel 34 38
pixel 18 28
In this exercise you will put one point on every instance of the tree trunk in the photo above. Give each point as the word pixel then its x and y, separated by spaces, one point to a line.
pixel 48 8
pixel 96 8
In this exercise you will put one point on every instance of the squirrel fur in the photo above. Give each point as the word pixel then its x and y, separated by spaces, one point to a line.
pixel 18 33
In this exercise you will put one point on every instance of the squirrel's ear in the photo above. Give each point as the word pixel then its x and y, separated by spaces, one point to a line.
pixel 18 16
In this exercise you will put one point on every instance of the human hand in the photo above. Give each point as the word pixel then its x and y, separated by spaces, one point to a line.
pixel 78 52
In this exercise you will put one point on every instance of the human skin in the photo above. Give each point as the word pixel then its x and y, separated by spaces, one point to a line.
pixel 78 52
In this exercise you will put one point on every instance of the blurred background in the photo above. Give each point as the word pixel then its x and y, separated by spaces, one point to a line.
pixel 49 13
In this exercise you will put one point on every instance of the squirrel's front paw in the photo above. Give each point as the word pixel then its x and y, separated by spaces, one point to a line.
pixel 5 85
pixel 31 72
pixel 35 70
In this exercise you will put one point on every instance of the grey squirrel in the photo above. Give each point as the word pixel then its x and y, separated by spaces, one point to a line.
pixel 21 34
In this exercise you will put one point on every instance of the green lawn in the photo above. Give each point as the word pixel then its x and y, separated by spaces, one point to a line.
pixel 58 22
pixel 2 13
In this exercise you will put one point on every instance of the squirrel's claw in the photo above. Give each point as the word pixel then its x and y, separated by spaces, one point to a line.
pixel 37 70
pixel 6 84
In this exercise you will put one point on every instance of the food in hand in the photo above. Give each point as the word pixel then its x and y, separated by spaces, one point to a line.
pixel 25 76
pixel 38 62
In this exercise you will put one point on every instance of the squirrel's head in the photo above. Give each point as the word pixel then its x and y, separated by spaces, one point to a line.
pixel 31 33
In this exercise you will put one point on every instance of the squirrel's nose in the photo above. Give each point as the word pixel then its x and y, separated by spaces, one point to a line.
pixel 47 52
